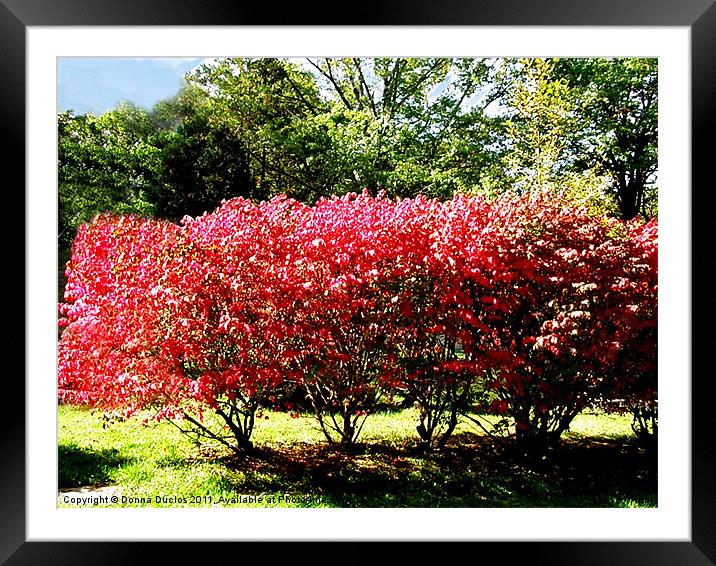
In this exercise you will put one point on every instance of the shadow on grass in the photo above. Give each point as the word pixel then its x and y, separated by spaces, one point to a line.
pixel 79 466
pixel 472 472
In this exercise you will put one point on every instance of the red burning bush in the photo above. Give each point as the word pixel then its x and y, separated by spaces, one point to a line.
pixel 526 306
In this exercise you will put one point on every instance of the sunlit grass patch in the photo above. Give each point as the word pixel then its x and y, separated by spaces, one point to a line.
pixel 154 465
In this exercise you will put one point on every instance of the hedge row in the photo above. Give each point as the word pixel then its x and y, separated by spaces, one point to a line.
pixel 527 307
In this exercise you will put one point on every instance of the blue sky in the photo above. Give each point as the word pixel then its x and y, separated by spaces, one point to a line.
pixel 94 85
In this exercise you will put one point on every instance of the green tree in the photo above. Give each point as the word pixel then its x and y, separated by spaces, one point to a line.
pixel 267 104
pixel 538 117
pixel 540 122
pixel 618 106
pixel 202 161
pixel 105 163
pixel 325 126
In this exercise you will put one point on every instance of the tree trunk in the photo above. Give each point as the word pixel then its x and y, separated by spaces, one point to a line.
pixel 348 429
pixel 630 193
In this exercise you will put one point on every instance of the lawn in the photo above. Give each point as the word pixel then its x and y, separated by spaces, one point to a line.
pixel 597 465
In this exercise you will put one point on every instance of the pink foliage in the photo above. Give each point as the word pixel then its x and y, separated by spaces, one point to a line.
pixel 552 309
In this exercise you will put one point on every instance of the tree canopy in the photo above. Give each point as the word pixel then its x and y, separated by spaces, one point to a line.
pixel 311 128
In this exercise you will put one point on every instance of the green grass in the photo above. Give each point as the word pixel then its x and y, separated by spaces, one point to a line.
pixel 597 465
pixel 601 425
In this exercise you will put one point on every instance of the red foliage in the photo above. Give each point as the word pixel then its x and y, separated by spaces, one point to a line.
pixel 549 308
pixel 563 300
pixel 107 352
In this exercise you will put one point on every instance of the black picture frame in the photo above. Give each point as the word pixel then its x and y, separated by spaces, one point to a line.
pixel 698 15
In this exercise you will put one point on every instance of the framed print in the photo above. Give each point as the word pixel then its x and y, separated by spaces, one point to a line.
pixel 39 38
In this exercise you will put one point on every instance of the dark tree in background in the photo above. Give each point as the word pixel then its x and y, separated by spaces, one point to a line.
pixel 619 113
pixel 202 162
pixel 172 161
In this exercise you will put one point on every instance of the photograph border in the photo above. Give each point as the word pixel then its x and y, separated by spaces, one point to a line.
pixel 698 15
